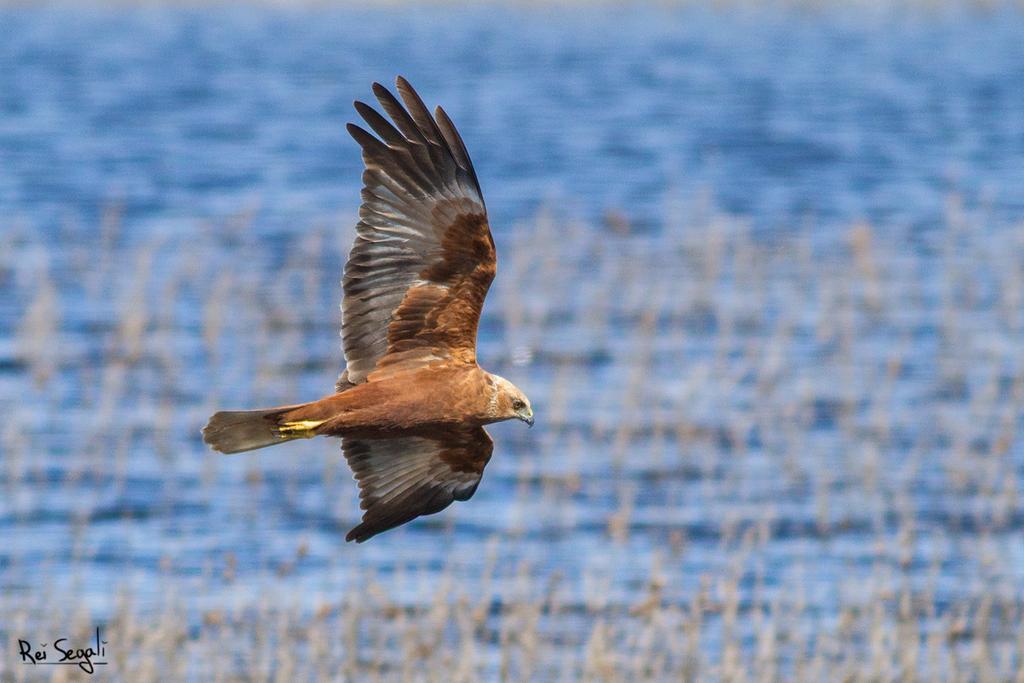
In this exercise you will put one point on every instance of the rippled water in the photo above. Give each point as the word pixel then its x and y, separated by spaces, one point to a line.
pixel 761 273
pixel 182 113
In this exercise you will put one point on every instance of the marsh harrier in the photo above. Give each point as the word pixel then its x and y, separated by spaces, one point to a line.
pixel 412 402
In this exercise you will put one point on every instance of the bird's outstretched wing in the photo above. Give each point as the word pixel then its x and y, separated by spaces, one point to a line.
pixel 423 258
pixel 403 478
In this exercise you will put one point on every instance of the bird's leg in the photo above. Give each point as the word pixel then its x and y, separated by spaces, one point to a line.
pixel 302 429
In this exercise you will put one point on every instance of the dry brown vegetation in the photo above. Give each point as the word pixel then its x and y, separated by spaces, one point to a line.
pixel 761 455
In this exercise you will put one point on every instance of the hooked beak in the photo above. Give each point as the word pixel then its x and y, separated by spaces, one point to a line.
pixel 527 418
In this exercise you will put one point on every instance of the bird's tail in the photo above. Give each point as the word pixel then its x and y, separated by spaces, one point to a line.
pixel 235 431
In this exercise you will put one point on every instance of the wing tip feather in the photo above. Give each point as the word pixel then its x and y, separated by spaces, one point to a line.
pixel 354 130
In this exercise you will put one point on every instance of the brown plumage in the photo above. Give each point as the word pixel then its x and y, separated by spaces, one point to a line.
pixel 412 402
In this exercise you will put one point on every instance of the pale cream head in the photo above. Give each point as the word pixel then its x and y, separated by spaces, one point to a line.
pixel 508 402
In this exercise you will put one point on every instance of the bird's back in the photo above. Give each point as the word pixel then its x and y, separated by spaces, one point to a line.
pixel 404 402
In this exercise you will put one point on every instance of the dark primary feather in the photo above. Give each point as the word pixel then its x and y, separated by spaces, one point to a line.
pixel 407 477
pixel 457 146
pixel 423 258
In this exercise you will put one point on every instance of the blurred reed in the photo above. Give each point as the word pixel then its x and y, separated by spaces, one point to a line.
pixel 720 410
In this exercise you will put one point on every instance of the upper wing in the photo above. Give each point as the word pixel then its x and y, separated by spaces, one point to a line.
pixel 403 478
pixel 423 258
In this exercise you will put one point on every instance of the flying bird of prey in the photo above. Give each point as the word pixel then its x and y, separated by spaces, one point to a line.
pixel 412 402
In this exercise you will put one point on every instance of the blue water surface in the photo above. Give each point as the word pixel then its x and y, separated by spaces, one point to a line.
pixel 759 272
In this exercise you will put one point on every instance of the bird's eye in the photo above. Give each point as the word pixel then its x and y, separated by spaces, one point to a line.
pixel 517 404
